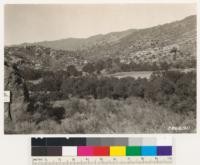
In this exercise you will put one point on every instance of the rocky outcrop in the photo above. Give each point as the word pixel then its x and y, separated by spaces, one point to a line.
pixel 19 99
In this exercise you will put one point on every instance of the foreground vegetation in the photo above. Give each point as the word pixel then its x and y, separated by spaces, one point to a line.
pixel 132 115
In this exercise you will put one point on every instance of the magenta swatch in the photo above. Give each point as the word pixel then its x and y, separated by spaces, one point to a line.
pixel 85 151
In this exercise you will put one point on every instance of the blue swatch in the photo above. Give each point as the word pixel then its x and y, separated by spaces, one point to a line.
pixel 149 150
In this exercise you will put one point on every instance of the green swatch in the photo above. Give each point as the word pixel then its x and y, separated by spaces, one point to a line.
pixel 133 151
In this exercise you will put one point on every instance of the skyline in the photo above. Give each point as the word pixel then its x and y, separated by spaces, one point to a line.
pixel 35 23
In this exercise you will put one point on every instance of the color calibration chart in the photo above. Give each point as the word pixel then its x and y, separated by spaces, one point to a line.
pixel 101 151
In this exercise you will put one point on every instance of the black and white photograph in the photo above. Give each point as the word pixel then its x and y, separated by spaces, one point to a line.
pixel 100 68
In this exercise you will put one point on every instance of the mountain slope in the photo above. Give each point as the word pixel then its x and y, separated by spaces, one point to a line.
pixel 161 35
pixel 85 43
pixel 173 44
pixel 168 42
pixel 181 33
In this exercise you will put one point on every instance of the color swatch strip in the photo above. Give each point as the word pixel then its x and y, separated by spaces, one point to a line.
pixel 97 147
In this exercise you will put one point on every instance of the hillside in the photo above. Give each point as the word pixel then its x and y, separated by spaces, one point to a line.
pixel 132 39
pixel 39 57
pixel 172 44
pixel 85 43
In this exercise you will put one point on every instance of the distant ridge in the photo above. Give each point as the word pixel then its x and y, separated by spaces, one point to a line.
pixel 113 37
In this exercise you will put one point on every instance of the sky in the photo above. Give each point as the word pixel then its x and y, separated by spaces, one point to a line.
pixel 33 23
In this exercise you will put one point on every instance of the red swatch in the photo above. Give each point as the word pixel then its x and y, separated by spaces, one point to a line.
pixel 101 151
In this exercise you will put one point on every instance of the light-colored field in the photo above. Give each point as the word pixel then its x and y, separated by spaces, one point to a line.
pixel 134 74
pixel 35 82
pixel 144 74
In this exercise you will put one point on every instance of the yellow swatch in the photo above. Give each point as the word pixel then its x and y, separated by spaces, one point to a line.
pixel 117 151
